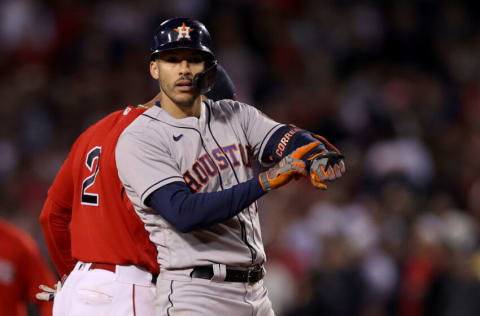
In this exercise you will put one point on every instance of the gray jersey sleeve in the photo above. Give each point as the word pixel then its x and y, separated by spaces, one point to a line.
pixel 144 165
pixel 258 128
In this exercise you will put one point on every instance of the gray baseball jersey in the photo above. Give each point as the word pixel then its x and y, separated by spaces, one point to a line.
pixel 209 153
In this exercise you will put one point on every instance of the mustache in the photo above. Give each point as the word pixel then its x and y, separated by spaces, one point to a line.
pixel 183 78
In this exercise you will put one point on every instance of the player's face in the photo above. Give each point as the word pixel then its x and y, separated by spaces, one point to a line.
pixel 176 70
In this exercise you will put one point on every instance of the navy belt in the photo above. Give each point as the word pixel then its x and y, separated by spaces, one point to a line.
pixel 252 275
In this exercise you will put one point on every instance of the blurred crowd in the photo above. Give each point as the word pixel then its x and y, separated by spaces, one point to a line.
pixel 394 84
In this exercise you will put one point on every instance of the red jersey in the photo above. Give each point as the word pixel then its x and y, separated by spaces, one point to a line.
pixel 22 270
pixel 87 207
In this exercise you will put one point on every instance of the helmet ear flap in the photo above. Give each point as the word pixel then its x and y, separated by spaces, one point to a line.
pixel 205 80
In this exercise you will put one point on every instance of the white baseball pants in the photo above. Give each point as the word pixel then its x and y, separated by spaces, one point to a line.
pixel 126 292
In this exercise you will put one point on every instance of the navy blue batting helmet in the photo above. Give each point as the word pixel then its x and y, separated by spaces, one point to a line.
pixel 223 88
pixel 190 34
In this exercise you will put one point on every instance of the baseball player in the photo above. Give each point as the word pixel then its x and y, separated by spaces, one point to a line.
pixel 186 165
pixel 92 232
pixel 22 268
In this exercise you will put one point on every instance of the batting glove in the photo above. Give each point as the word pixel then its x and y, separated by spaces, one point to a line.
pixel 292 166
pixel 48 293
pixel 326 166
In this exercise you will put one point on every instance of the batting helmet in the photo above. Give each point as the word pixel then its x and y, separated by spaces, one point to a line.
pixel 190 34
pixel 223 88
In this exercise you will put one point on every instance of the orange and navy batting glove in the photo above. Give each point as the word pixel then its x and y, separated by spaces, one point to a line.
pixel 326 165
pixel 290 167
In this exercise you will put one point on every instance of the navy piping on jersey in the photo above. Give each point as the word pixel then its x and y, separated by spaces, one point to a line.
pixel 253 252
pixel 216 142
pixel 251 221
pixel 141 197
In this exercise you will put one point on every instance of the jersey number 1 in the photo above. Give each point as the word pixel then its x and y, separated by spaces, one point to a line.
pixel 91 198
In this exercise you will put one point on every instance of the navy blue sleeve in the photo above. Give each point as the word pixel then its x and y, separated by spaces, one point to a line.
pixel 285 140
pixel 187 211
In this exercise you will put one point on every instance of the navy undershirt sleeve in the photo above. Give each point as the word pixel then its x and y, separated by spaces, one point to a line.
pixel 293 138
pixel 187 211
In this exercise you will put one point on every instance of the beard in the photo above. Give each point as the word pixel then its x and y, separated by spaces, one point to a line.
pixel 181 99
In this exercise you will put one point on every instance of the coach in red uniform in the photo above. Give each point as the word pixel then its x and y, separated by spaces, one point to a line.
pixel 22 269
pixel 91 229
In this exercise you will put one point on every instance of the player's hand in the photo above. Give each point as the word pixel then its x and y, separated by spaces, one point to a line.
pixel 290 167
pixel 326 166
pixel 48 293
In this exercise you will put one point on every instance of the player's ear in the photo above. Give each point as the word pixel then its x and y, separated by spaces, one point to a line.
pixel 154 71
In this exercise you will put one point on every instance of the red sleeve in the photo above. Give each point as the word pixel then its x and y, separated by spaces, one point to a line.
pixel 55 220
pixel 62 188
pixel 56 216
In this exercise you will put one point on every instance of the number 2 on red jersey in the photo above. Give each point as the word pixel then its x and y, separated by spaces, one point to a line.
pixel 91 198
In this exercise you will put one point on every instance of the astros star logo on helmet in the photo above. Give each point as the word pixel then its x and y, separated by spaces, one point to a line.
pixel 183 31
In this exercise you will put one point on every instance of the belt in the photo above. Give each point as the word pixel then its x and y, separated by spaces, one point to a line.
pixel 104 266
pixel 252 275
